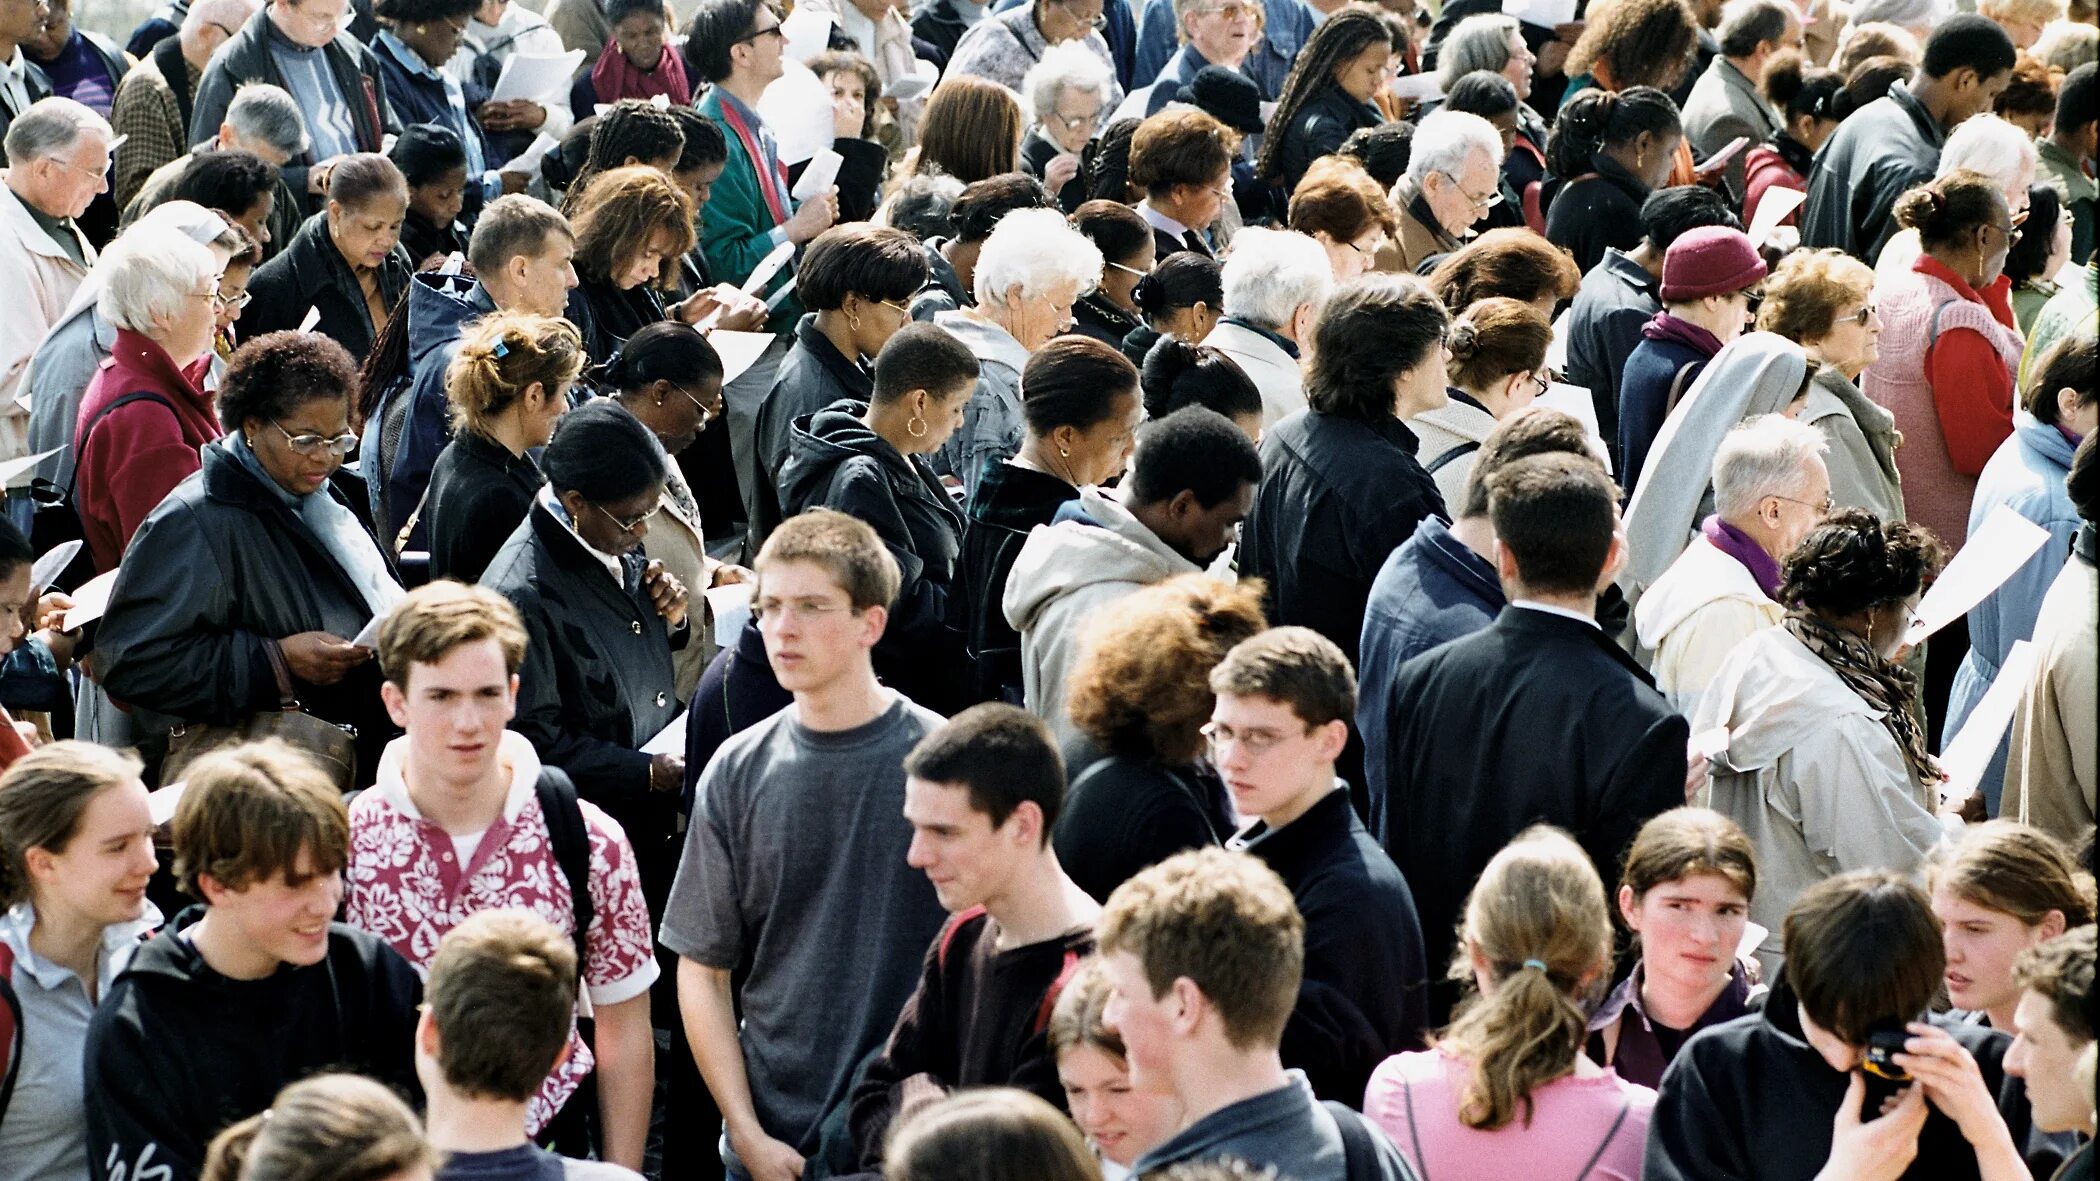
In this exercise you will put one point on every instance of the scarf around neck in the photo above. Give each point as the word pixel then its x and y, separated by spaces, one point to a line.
pixel 615 78
pixel 1883 685
pixel 1664 326
pixel 1738 545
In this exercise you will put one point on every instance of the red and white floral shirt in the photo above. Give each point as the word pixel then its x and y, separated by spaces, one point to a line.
pixel 409 882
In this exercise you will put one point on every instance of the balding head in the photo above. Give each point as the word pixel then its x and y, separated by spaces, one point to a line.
pixel 209 24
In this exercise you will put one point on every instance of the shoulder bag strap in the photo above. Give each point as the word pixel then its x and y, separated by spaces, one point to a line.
pixel 1359 1151
pixel 570 838
pixel 287 700
pixel 1625 1105
pixel 12 1038
pixel 80 444
pixel 1677 384
pixel 1440 462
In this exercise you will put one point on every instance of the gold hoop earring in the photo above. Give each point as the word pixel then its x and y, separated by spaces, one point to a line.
pixel 853 321
pixel 1063 454
pixel 916 428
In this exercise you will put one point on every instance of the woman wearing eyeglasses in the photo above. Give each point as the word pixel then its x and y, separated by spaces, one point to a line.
pixel 255 552
pixel 1109 313
pixel 233 290
pixel 1497 368
pixel 1823 300
pixel 507 385
pixel 1068 94
pixel 670 378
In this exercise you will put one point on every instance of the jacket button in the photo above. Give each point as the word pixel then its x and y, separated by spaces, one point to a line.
pixel 661 700
pixel 636 626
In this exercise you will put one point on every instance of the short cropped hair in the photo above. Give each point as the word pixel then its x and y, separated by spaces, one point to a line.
pixel 433 619
pixel 512 225
pixel 1179 147
pixel 2060 971
pixel 2073 362
pixel 249 811
pixel 2077 99
pixel 873 262
pixel 502 991
pixel 1338 197
pixel 50 126
pixel 261 112
pixel 1069 65
pixel 921 356
pixel 1508 261
pixel 149 277
pixel 1763 456
pixel 1223 921
pixel 1862 949
pixel 1555 514
pixel 845 547
pixel 1539 430
pixel 272 375
pixel 1446 140
pixel 1002 755
pixel 1270 274
pixel 1672 212
pixel 1968 41
pixel 716 27
pixel 1192 450
pixel 1033 251
pixel 982 205
pixel 1805 292
pixel 1747 24
pixel 1295 666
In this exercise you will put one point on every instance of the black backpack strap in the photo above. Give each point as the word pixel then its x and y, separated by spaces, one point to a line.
pixel 1625 1105
pixel 80 444
pixel 12 1038
pixel 571 840
pixel 1359 1149
pixel 1438 464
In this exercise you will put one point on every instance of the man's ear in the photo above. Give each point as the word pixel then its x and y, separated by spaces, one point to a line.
pixel 396 702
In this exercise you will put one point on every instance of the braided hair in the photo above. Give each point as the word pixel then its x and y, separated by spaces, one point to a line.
pixel 1338 41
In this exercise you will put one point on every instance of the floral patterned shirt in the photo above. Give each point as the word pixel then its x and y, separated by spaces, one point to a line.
pixel 409 883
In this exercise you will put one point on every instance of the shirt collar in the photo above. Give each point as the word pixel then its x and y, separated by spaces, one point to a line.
pixel 15 68
pixel 612 564
pixel 408 58
pixel 118 941
pixel 513 749
pixel 1160 220
pixel 1549 609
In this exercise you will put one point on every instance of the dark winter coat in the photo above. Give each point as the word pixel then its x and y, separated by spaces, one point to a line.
pixel 1123 814
pixel 1327 118
pixel 1010 501
pixel 812 376
pixel 479 494
pixel 312 273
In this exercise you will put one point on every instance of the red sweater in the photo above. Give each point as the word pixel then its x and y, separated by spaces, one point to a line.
pixel 139 452
pixel 1971 385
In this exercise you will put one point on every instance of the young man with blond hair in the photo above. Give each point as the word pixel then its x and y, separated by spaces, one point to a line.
pixel 796 860
pixel 256 988
pixel 464 818
pixel 1203 954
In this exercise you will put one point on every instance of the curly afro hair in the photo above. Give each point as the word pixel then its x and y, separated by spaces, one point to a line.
pixel 278 372
pixel 1853 562
pixel 1142 688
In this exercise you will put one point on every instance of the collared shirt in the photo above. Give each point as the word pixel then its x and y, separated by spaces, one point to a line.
pixel 14 83
pixel 43 1135
pixel 463 124
pixel 1161 221
pixel 1548 608
pixel 612 564
pixel 409 882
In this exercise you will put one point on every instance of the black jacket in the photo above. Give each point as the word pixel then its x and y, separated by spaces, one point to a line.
pixel 812 376
pixel 1883 150
pixel 1604 324
pixel 607 315
pixel 1599 210
pixel 1365 993
pixel 737 691
pixel 1752 1098
pixel 939 26
pixel 479 493
pixel 1337 495
pixel 1138 345
pixel 1094 316
pixel 36 84
pixel 1125 814
pixel 176 1051
pixel 834 461
pixel 1538 718
pixel 1037 150
pixel 1010 501
pixel 1327 118
pixel 312 273
pixel 246 58
pixel 221 568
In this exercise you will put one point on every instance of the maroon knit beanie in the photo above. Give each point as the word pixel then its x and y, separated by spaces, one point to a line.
pixel 1711 260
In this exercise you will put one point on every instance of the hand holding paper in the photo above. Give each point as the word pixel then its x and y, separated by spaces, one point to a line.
pixel 819 175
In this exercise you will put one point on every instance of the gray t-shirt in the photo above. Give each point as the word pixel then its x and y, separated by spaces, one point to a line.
pixel 795 856
pixel 1286 1129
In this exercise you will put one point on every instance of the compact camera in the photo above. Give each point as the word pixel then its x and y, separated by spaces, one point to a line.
pixel 1885 1041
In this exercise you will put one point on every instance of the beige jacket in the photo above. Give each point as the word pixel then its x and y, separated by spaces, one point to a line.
pixel 1704 605
pixel 39 279
pixel 2050 768
pixel 675 539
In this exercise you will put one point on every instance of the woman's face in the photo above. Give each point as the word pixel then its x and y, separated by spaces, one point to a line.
pixel 1349 258
pixel 1358 77
pixel 1657 154
pixel 1810 132
pixel 878 321
pixel 849 99
pixel 438 203
pixel 676 412
pixel 1198 205
pixel 1891 621
pixel 1099 453
pixel 1191 324
pixel 1689 930
pixel 1422 388
pixel 1993 240
pixel 257 219
pixel 1073 119
pixel 1122 1123
pixel 1119 276
pixel 186 333
pixel 645 264
pixel 640 37
pixel 1034 319
pixel 1981 946
pixel 1522 62
pixel 613 527
pixel 367 233
pixel 233 294
pixel 102 874
pixel 297 450
pixel 542 410
pixel 1854 339
pixel 943 417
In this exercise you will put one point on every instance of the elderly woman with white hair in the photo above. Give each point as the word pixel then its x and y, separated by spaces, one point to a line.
pixel 1982 143
pixel 1032 269
pixel 1492 41
pixel 1454 175
pixel 2022 20
pixel 1275 282
pixel 1770 489
pixel 1067 94
pixel 145 416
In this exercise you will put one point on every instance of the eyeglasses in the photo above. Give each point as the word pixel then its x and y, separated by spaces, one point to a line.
pixel 234 302
pixel 628 524
pixel 755 34
pixel 1254 742
pixel 1828 506
pixel 1481 203
pixel 1075 122
pixel 1865 313
pixel 894 306
pixel 1096 22
pixel 1129 270
pixel 314 446
pixel 1230 10
pixel 97 173
pixel 808 609
pixel 707 413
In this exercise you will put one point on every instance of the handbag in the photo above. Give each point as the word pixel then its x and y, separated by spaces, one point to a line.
pixel 332 747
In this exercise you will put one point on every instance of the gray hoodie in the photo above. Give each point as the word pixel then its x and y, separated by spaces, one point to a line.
pixel 991 428
pixel 1065 572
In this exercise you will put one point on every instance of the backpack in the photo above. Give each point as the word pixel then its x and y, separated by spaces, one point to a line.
pixel 1359 1143
pixel 570 839
pixel 1057 986
pixel 11 1036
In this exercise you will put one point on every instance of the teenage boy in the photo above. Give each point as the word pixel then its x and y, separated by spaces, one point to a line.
pixel 1783 1095
pixel 1284 700
pixel 982 794
pixel 252 990
pixel 497 1016
pixel 463 818
pixel 2055 1017
pixel 1203 954
pixel 795 861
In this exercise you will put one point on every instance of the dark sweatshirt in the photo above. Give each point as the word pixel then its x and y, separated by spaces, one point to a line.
pixel 176 1052
pixel 1124 814
pixel 978 1018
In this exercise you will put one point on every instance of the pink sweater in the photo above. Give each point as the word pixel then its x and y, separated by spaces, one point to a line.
pixel 1413 1098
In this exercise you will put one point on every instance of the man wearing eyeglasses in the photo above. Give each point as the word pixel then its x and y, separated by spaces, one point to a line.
pixel 1284 702
pixel 58 152
pixel 1213 33
pixel 1454 176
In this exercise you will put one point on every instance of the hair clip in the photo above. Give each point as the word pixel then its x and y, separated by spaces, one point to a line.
pixel 1539 964
pixel 501 350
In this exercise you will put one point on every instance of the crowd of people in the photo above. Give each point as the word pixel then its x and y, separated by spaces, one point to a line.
pixel 1052 590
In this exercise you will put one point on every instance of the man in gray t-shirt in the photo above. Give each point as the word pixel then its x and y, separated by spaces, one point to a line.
pixel 795 858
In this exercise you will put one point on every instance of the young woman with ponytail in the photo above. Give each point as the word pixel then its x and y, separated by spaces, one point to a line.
pixel 508 384
pixel 1497 368
pixel 331 1127
pixel 1812 101
pixel 1685 894
pixel 1506 1090
pixel 1606 153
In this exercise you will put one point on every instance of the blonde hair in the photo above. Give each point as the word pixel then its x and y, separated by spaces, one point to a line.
pixel 2017 870
pixel 1538 919
pixel 500 357
pixel 1806 291
pixel 331 1127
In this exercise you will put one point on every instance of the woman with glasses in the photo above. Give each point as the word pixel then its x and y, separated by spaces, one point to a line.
pixel 1497 368
pixel 507 385
pixel 602 621
pixel 1327 95
pixel 1339 206
pixel 256 563
pixel 1109 312
pixel 670 378
pixel 1182 161
pixel 345 263
pixel 233 295
pixel 1823 300
pixel 1068 96
pixel 415 42
pixel 855 281
pixel 1002 47
pixel 1826 767
pixel 1948 348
